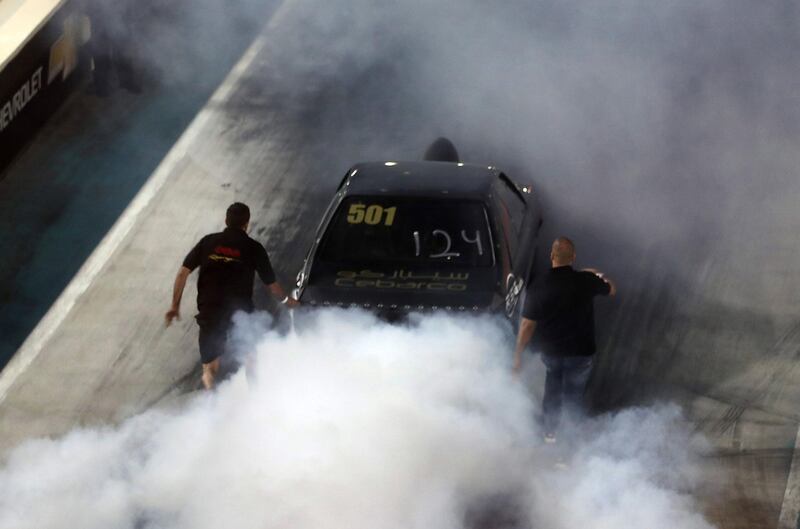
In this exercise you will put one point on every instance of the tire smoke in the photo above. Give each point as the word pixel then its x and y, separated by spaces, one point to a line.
pixel 356 423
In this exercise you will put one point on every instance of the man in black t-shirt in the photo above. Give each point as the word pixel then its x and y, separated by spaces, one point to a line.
pixel 560 308
pixel 228 262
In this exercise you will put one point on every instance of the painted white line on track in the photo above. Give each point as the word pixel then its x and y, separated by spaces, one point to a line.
pixel 55 316
pixel 790 511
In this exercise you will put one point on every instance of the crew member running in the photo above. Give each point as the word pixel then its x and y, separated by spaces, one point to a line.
pixel 560 307
pixel 228 262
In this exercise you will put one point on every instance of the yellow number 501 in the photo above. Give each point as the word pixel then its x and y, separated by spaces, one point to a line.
pixel 372 215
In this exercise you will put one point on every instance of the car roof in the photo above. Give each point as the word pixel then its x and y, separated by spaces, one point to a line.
pixel 420 179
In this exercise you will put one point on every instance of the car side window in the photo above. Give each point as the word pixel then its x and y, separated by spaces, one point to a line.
pixel 512 209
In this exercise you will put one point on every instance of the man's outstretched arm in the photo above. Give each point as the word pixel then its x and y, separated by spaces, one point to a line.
pixel 277 292
pixel 526 329
pixel 177 294
pixel 612 287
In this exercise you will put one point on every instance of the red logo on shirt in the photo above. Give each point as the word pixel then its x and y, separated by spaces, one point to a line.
pixel 227 251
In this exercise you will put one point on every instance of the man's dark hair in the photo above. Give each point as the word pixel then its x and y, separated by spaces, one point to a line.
pixel 237 216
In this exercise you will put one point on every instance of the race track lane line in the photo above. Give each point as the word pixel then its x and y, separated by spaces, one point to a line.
pixel 55 316
pixel 790 511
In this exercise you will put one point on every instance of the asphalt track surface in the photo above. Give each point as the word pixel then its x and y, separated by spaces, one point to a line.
pixel 724 341
pixel 67 188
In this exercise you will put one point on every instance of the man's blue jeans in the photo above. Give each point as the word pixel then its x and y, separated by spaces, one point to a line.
pixel 565 384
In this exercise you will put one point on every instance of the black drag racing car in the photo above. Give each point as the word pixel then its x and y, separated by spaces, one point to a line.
pixel 417 236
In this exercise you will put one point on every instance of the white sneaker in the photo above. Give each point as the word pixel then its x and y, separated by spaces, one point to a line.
pixel 550 437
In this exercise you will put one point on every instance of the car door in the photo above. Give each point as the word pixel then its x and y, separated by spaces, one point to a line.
pixel 512 211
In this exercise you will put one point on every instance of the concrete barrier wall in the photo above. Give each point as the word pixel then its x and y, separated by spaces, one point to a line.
pixel 40 75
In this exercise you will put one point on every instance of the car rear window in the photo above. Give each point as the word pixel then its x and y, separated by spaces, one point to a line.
pixel 409 231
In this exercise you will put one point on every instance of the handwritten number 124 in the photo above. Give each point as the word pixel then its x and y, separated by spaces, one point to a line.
pixel 444 236
pixel 371 215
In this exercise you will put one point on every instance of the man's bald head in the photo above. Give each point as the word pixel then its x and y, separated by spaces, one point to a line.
pixel 562 252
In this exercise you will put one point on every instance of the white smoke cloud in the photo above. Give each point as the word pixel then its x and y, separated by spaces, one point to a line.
pixel 356 423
